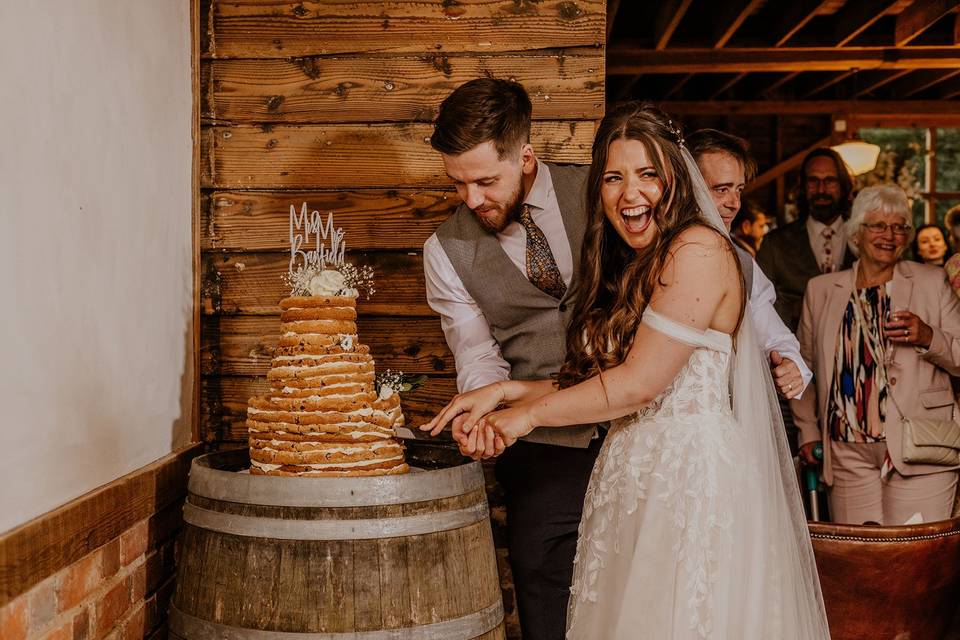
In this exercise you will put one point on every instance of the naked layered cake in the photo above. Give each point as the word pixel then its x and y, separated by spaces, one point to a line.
pixel 324 415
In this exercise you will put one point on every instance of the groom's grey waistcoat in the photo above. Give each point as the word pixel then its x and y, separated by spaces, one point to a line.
pixel 529 325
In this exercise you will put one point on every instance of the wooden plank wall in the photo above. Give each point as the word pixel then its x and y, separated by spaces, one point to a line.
pixel 330 102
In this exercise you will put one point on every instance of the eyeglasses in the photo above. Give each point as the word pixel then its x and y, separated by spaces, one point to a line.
pixel 829 182
pixel 878 228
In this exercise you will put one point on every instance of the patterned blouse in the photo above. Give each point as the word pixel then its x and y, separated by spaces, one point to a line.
pixel 859 390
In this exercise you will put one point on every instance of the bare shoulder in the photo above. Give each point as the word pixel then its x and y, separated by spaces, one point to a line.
pixel 699 256
pixel 701 246
pixel 700 282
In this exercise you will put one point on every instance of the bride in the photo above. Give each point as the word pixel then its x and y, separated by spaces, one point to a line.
pixel 692 524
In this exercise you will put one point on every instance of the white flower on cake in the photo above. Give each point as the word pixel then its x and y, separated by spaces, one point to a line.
pixel 327 283
pixel 386 392
pixel 318 280
pixel 346 343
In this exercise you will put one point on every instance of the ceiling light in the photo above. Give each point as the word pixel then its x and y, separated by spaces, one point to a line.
pixel 859 155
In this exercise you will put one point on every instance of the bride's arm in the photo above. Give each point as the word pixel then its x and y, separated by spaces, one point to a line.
pixel 466 408
pixel 694 284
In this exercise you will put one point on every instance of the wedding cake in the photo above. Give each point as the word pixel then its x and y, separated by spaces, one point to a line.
pixel 324 415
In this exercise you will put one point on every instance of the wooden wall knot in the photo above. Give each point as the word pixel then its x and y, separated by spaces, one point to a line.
pixel 310 66
pixel 569 11
pixel 523 7
pixel 441 64
pixel 273 103
pixel 453 9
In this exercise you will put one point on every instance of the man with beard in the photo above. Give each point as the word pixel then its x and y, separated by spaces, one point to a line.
pixel 502 274
pixel 816 242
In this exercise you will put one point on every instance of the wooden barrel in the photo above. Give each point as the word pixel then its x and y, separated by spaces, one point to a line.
pixel 889 583
pixel 270 558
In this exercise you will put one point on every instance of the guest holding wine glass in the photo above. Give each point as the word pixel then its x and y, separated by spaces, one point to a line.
pixel 883 340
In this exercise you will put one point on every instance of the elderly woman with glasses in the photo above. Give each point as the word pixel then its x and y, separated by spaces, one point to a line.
pixel 883 339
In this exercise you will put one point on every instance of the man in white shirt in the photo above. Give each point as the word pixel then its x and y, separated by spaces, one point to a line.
pixel 726 165
pixel 501 273
pixel 816 242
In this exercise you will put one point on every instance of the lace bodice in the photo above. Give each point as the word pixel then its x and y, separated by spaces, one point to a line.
pixel 702 386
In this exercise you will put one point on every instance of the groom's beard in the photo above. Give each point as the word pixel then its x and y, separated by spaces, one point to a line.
pixel 495 216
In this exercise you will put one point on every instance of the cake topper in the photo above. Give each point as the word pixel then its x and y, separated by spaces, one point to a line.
pixel 317 266
pixel 320 255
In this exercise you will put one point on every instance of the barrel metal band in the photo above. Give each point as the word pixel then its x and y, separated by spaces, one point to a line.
pixel 416 486
pixel 468 626
pixel 367 529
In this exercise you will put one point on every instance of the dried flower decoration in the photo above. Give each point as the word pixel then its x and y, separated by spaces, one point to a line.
pixel 359 278
pixel 389 382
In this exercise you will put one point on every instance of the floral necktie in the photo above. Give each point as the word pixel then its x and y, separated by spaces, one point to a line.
pixel 542 269
pixel 827 266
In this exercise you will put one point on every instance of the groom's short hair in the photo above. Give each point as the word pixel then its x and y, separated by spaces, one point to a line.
pixel 713 141
pixel 483 110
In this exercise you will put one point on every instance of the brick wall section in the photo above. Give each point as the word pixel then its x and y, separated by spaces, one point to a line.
pixel 120 591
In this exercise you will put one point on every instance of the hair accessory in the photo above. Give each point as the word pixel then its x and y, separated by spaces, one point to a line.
pixel 675 130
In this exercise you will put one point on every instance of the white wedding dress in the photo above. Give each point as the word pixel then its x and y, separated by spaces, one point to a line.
pixel 687 533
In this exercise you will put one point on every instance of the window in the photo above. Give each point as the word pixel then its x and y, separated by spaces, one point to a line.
pixel 924 161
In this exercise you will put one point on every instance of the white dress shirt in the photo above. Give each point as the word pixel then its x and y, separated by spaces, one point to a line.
pixel 476 352
pixel 772 334
pixel 838 242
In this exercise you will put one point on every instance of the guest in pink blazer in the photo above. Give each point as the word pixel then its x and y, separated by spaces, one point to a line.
pixel 881 338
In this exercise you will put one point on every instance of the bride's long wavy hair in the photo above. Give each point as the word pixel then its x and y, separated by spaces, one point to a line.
pixel 616 281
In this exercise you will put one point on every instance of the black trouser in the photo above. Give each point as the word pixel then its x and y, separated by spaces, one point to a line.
pixel 544 486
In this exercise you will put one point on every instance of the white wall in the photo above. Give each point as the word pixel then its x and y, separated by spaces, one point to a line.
pixel 95 253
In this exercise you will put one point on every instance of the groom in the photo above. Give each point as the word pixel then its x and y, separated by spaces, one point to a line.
pixel 502 274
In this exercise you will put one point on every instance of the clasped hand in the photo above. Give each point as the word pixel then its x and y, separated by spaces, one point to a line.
pixel 479 430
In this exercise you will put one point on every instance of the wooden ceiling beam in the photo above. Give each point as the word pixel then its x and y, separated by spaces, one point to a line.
pixel 890 77
pixel 628 59
pixel 613 6
pixel 905 108
pixel 678 86
pixel 726 86
pixel 625 92
pixel 779 82
pixel 856 17
pixel 918 16
pixel 667 20
pixel 795 18
pixel 922 80
pixel 949 90
pixel 840 77
pixel 733 16
pixel 784 166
